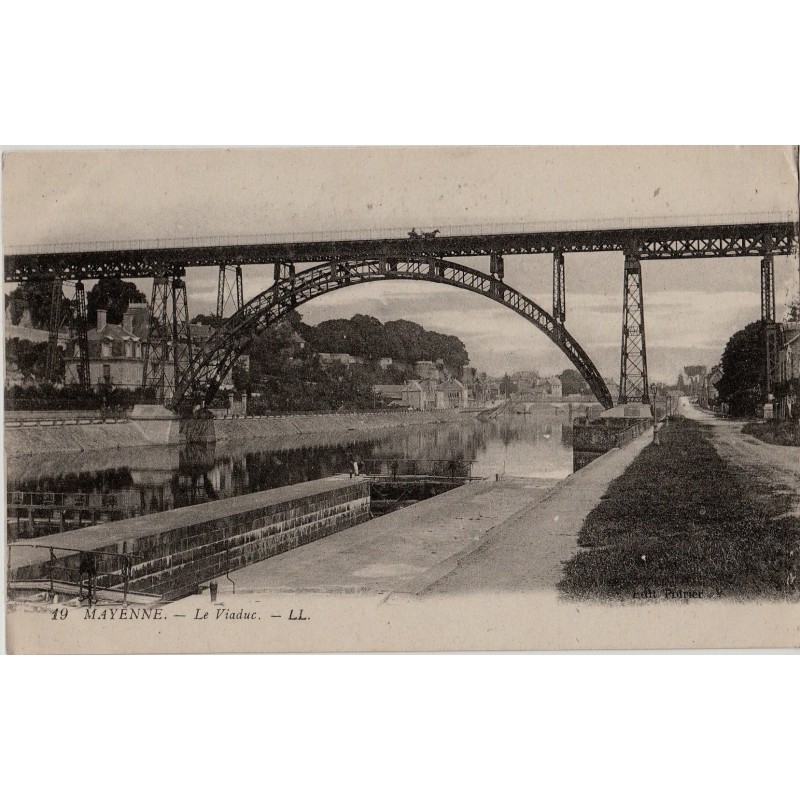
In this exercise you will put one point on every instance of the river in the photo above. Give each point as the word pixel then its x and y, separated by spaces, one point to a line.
pixel 106 485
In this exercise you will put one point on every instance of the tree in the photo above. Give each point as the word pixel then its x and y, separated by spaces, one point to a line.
pixel 507 386
pixel 573 383
pixel 114 295
pixel 741 384
pixel 793 312
pixel 35 297
pixel 30 359
pixel 212 320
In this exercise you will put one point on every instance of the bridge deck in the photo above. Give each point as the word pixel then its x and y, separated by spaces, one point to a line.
pixel 666 240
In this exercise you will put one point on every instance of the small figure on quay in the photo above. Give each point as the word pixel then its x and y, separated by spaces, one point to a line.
pixel 656 437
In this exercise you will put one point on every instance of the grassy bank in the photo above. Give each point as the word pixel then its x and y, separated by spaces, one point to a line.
pixel 679 519
pixel 783 433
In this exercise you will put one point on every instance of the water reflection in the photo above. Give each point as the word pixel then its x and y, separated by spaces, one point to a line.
pixel 59 493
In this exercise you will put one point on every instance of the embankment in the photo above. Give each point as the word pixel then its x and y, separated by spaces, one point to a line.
pixel 66 438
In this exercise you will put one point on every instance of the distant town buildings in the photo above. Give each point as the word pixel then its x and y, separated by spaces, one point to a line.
pixel 532 388
pixel 707 392
pixel 430 395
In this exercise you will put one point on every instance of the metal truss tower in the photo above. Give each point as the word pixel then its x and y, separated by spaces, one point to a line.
pixel 633 387
pixel 559 291
pixel 768 288
pixel 157 345
pixel 73 313
pixel 56 320
pixel 181 330
pixel 79 329
pixel 772 330
pixel 284 271
pixel 168 349
pixel 230 293
pixel 497 270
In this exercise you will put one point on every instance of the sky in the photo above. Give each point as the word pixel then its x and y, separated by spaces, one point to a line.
pixel 691 307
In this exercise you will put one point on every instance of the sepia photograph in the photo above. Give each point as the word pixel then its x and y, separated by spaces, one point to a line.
pixel 323 399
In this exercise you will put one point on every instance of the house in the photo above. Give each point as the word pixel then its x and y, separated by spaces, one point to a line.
pixel 414 395
pixel 530 387
pixel 786 393
pixel 550 387
pixel 390 393
pixel 116 352
pixel 707 392
pixel 451 394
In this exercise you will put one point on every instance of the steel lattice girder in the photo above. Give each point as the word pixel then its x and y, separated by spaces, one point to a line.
pixel 230 291
pixel 229 342
pixel 700 241
pixel 633 356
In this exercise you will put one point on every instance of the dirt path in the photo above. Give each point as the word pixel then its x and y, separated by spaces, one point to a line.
pixel 775 467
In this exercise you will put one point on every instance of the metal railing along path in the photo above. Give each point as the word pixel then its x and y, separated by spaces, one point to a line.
pixel 90 566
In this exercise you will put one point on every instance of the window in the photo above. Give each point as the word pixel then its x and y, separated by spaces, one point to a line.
pixel 107 373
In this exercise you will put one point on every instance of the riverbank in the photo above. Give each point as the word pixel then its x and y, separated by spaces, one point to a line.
pixel 47 439
pixel 510 535
pixel 686 521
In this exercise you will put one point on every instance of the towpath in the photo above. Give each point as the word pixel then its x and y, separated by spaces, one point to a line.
pixel 774 467
pixel 509 535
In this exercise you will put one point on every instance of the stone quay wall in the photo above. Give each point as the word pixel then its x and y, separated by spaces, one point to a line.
pixel 27 440
pixel 175 551
pixel 592 438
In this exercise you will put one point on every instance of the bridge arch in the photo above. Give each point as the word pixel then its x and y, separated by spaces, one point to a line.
pixel 202 379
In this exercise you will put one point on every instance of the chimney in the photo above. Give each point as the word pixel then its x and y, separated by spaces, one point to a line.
pixel 127 321
pixel 101 318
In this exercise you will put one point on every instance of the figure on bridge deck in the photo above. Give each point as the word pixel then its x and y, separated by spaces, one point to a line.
pixel 430 234
pixel 413 234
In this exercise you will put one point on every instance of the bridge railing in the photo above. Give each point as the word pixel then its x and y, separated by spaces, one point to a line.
pixel 361 234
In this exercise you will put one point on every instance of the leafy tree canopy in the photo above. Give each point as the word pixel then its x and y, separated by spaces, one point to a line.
pixel 35 297
pixel 573 383
pixel 742 367
pixel 114 295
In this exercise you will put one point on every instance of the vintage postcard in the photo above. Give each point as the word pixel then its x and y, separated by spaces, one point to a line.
pixel 401 399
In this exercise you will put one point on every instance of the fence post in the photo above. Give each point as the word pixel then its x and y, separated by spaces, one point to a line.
pixel 126 569
pixel 52 566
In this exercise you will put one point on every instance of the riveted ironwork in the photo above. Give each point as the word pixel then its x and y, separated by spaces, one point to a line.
pixel 655 243
pixel 559 289
pixel 212 363
pixel 633 386
pixel 230 290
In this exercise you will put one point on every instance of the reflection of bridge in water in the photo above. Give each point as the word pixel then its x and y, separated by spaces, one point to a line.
pixel 344 260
